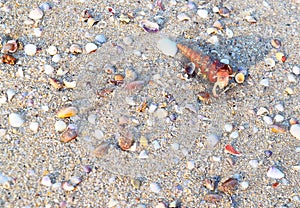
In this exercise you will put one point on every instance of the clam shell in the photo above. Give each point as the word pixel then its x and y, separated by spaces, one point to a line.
pixel 276 43
pixel 151 27
pixel 228 186
pixel 67 112
pixel 69 134
pixel 11 46
pixel 90 47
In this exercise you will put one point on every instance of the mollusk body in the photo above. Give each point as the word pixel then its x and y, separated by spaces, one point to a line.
pixel 216 72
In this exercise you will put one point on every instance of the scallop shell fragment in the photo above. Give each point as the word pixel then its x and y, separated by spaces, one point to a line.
pixel 11 46
pixel 67 112
pixel 229 186
pixel 150 27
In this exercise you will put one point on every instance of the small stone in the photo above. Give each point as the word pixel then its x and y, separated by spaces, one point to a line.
pixel 128 40
pixel 275 173
pixel 268 120
pixel 253 163
pixel 228 127
pixel 16 120
pixel 213 40
pixel 52 50
pixel 67 186
pixel 292 78
pixel 60 126
pixel 102 149
pixel 143 154
pixel 48 69
pixel 46 181
pixel 152 108
pixel 37 32
pixel 202 13
pixel 296 70
pixel 156 145
pixel 279 107
pixel 154 187
pixel 67 112
pixel 212 140
pixel 30 49
pixel 45 6
pixel 167 47
pixel 56 58
pixel 90 47
pixel 244 185
pixel 229 33
pixel 190 165
pixel 265 82
pixel 100 39
pixel 161 113
pixel 98 134
pixel 36 14
pixel 295 130
pixel 136 183
pixel 234 135
pixel 215 9
pixel 2 132
pixel 278 118
pixel 34 126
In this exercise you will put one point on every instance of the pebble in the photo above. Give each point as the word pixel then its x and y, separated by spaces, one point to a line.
pixel 90 47
pixel 10 94
pixel 167 47
pixel 156 145
pixel 229 33
pixel 262 111
pixel 15 120
pixel 154 187
pixel 56 58
pixel 295 130
pixel 98 134
pixel 48 69
pixel 278 118
pixel 190 165
pixel 30 49
pixel 265 82
pixel 279 107
pixel 52 50
pixel 60 126
pixel 291 78
pixel 37 32
pixel 253 163
pixel 67 112
pixel 268 120
pixel 296 70
pixel 275 173
pixel 244 185
pixel 34 126
pixel 268 153
pixel 46 181
pixel 45 6
pixel 36 14
pixel 270 62
pixel 128 40
pixel 152 108
pixel 143 154
pixel 234 135
pixel 202 13
pixel 213 40
pixel 161 113
pixel 100 39
pixel 212 140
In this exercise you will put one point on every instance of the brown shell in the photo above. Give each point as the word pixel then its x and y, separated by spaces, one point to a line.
pixel 229 186
pixel 9 59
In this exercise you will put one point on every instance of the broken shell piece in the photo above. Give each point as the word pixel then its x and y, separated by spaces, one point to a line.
pixel 183 17
pixel 109 69
pixel 69 134
pixel 55 83
pixel 224 12
pixel 190 69
pixel 217 24
pixel 67 186
pixel 151 27
pixel 90 47
pixel 125 143
pixel 209 184
pixel 8 59
pixel 276 43
pixel 102 149
pixel 11 46
pixel 213 197
pixel 211 30
pixel 274 172
pixel 75 49
pixel 270 62
pixel 239 78
pixel 69 85
pixel 277 129
pixel 280 57
pixel 229 33
pixel 250 19
pixel 229 186
pixel 229 149
pixel 67 112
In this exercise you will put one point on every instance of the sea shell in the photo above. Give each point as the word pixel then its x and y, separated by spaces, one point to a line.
pixel 217 24
pixel 11 46
pixel 55 83
pixel 209 184
pixel 183 17
pixel 280 57
pixel 125 143
pixel 109 69
pixel 224 12
pixel 75 49
pixel 239 77
pixel 151 27
pixel 67 186
pixel 52 50
pixel 229 149
pixel 276 43
pixel 228 186
pixel 36 14
pixel 250 19
pixel 8 59
pixel 30 49
pixel 102 149
pixel 69 134
pixel 67 112
pixel 90 47
pixel 270 62
pixel 211 30
pixel 274 172
pixel 213 197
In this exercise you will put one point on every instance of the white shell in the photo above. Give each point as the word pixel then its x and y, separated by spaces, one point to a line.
pixel 265 82
pixel 202 13
pixel 250 19
pixel 48 69
pixel 295 131
pixel 67 186
pixel 46 181
pixel 211 30
pixel 150 27
pixel 90 47
pixel 52 50
pixel 36 14
pixel 213 40
pixel 154 187
pixel 69 85
pixel 15 120
pixel 270 62
pixel 229 33
pixel 34 126
pixel 278 118
pixel 296 70
pixel 228 127
pixel 30 49
pixel 262 111
pixel 56 58
pixel 275 173
pixel 183 17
